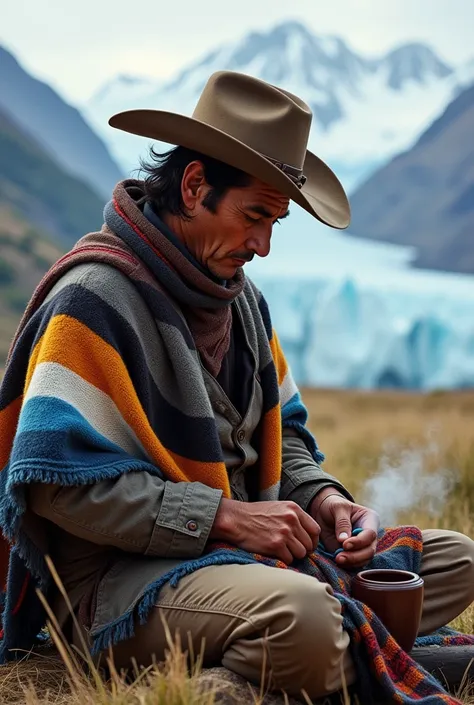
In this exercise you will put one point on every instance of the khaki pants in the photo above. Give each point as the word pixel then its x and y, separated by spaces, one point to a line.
pixel 253 616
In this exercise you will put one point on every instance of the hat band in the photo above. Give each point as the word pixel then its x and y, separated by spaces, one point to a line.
pixel 296 175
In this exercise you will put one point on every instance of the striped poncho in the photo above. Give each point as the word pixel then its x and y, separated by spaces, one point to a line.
pixel 80 402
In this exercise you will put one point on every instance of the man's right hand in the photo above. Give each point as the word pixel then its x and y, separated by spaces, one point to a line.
pixel 276 529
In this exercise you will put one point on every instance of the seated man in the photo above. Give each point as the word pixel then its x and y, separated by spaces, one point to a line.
pixel 148 411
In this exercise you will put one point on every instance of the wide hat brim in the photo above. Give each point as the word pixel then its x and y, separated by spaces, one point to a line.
pixel 322 195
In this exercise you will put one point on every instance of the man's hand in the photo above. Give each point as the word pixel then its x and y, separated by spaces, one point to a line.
pixel 277 529
pixel 337 517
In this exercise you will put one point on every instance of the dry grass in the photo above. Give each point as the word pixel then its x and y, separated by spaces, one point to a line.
pixel 47 679
pixel 356 431
pixel 73 678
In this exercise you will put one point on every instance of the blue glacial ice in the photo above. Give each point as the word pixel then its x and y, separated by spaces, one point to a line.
pixel 353 313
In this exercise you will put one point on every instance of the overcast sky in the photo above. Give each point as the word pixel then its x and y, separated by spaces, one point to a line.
pixel 77 46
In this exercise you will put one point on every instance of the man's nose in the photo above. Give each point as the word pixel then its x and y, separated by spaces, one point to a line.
pixel 260 243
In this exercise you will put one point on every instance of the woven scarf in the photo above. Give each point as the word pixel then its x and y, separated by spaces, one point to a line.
pixel 204 302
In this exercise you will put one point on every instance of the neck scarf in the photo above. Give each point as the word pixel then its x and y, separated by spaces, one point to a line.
pixel 205 302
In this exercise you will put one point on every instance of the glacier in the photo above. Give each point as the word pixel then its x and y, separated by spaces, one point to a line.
pixel 355 314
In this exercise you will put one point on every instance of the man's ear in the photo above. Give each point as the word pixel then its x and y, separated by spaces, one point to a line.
pixel 193 185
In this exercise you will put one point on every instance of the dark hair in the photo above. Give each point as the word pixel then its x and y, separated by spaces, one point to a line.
pixel 164 174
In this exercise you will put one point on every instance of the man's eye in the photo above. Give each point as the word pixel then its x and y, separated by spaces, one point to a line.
pixel 252 220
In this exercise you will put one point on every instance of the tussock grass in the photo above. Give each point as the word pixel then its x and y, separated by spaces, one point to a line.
pixel 48 679
pixel 71 677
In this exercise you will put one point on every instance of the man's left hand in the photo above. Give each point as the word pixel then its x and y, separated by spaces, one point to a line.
pixel 338 517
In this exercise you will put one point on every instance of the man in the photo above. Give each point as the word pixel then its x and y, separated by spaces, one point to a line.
pixel 149 412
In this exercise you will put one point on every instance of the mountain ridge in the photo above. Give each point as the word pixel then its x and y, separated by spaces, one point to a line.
pixel 366 109
pixel 55 124
pixel 34 185
pixel 278 36
pixel 425 196
pixel 43 211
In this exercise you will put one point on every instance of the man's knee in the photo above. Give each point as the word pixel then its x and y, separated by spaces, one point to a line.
pixel 309 626
pixel 463 549
pixel 448 562
pixel 310 638
pixel 449 551
pixel 314 613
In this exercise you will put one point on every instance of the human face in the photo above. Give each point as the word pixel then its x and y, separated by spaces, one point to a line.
pixel 240 228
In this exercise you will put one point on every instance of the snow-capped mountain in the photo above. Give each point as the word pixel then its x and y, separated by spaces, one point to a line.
pixel 365 109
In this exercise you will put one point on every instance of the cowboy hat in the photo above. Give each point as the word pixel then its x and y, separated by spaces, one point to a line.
pixel 258 128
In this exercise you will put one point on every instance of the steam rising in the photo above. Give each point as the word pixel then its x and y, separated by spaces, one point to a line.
pixel 408 478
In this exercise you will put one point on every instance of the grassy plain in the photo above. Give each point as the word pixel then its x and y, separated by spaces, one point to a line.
pixel 417 450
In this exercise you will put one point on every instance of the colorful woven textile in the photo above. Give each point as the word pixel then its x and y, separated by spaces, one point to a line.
pixel 385 672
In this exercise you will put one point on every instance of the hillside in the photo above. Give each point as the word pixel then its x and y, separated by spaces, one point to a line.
pixel 35 186
pixel 25 255
pixel 43 211
pixel 425 196
pixel 58 127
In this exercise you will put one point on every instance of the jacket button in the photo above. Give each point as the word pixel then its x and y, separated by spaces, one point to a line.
pixel 241 435
pixel 191 525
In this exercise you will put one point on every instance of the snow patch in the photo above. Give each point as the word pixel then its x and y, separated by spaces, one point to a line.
pixel 329 45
